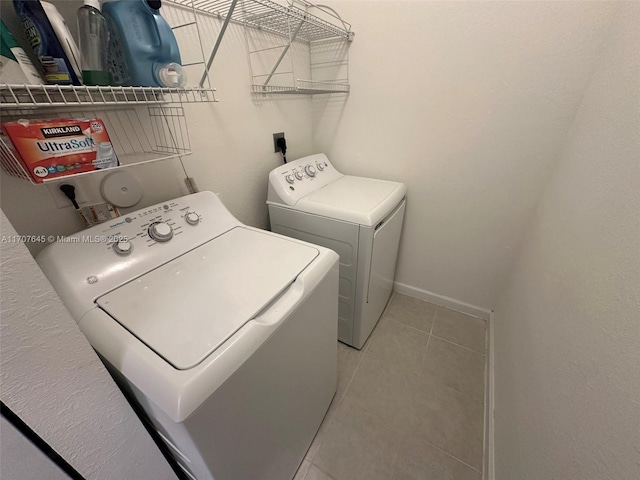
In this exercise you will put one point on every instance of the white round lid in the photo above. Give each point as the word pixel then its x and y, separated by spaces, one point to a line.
pixel 121 189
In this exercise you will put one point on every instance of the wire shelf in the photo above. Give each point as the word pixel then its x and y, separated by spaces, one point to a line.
pixel 308 87
pixel 41 96
pixel 138 136
pixel 273 17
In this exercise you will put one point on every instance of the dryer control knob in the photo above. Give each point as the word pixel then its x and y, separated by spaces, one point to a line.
pixel 290 179
pixel 309 170
pixel 123 247
pixel 320 166
pixel 160 231
pixel 299 174
pixel 192 218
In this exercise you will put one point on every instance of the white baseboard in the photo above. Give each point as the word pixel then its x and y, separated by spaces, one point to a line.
pixel 443 301
pixel 489 472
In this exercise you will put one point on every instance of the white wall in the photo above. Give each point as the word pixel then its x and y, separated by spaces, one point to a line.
pixel 567 337
pixel 468 103
pixel 53 380
pixel 231 140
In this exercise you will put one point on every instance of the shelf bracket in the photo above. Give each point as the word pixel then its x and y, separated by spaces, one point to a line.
pixel 218 41
pixel 284 52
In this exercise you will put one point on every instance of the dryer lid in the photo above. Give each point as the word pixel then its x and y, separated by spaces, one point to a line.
pixel 187 308
pixel 365 201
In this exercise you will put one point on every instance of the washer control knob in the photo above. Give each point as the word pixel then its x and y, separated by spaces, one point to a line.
pixel 309 170
pixel 160 231
pixel 192 218
pixel 290 179
pixel 320 166
pixel 299 174
pixel 123 247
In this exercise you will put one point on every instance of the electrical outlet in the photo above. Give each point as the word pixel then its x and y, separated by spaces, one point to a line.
pixel 60 199
pixel 276 136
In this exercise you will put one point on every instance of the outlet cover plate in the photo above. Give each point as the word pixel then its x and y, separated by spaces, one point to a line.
pixel 276 136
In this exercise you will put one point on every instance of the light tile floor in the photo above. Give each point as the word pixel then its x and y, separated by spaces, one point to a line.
pixel 410 404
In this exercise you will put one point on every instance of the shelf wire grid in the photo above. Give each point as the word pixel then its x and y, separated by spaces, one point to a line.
pixel 302 86
pixel 273 17
pixel 42 96
pixel 138 136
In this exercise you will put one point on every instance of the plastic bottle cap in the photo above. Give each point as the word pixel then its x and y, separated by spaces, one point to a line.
pixel 93 3
pixel 171 75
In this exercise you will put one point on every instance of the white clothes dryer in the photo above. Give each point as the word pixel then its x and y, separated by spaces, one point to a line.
pixel 224 334
pixel 359 218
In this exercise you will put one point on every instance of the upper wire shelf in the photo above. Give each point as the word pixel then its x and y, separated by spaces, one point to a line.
pixel 32 96
pixel 275 18
pixel 302 87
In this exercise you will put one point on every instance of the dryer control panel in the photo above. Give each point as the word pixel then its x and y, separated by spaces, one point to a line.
pixel 294 180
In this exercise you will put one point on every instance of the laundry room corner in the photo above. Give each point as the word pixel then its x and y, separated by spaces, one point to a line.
pixel 344 240
pixel 473 124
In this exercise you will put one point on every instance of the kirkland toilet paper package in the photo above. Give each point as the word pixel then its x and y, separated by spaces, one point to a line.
pixel 56 148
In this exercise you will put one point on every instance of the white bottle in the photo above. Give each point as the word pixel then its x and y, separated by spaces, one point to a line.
pixel 64 35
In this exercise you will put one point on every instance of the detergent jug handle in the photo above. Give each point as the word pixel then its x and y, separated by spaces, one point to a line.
pixel 164 33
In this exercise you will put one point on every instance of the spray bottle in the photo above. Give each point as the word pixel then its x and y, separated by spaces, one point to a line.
pixel 94 41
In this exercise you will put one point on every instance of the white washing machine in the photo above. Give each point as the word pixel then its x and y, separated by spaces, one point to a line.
pixel 224 334
pixel 359 218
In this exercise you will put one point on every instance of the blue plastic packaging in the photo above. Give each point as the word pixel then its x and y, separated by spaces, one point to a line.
pixel 143 49
pixel 54 61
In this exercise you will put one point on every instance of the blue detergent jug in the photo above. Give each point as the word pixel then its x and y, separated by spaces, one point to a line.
pixel 143 49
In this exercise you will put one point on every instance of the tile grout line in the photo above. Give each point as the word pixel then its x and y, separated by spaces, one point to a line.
pixel 454 457
pixel 458 345
pixel 426 348
pixel 466 396
pixel 330 477
pixel 463 395
pixel 364 352
pixel 355 370
pixel 422 360
pixel 409 327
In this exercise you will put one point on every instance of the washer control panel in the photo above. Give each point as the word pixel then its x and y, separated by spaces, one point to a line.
pixel 112 253
pixel 129 235
pixel 294 180
pixel 157 224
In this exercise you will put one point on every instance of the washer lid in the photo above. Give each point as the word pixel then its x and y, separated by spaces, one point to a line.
pixel 187 308
pixel 360 200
